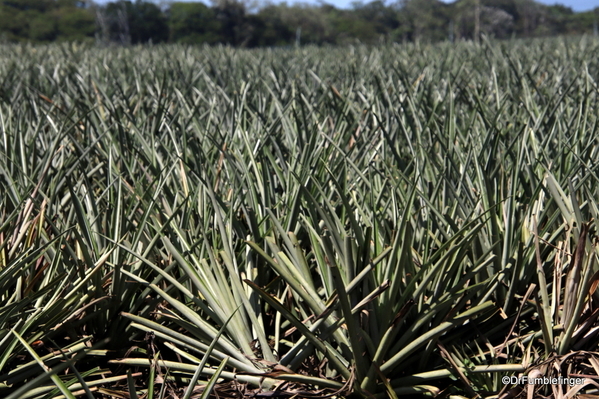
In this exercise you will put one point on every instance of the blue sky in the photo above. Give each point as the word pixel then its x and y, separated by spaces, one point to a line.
pixel 576 5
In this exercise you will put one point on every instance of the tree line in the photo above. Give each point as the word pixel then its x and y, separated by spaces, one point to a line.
pixel 237 23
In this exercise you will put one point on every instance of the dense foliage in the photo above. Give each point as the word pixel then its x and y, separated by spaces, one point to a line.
pixel 232 22
pixel 368 220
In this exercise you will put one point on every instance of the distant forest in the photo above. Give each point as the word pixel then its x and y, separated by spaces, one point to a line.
pixel 244 24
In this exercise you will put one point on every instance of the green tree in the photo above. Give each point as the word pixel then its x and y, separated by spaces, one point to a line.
pixel 285 23
pixel 136 22
pixel 42 28
pixel 14 23
pixel 46 20
pixel 27 5
pixel 271 29
pixel 383 19
pixel 75 23
pixel 349 27
pixel 147 23
pixel 495 20
pixel 236 28
pixel 193 23
pixel 583 22
pixel 427 20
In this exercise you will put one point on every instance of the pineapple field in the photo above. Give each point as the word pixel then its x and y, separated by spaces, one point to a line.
pixel 405 220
